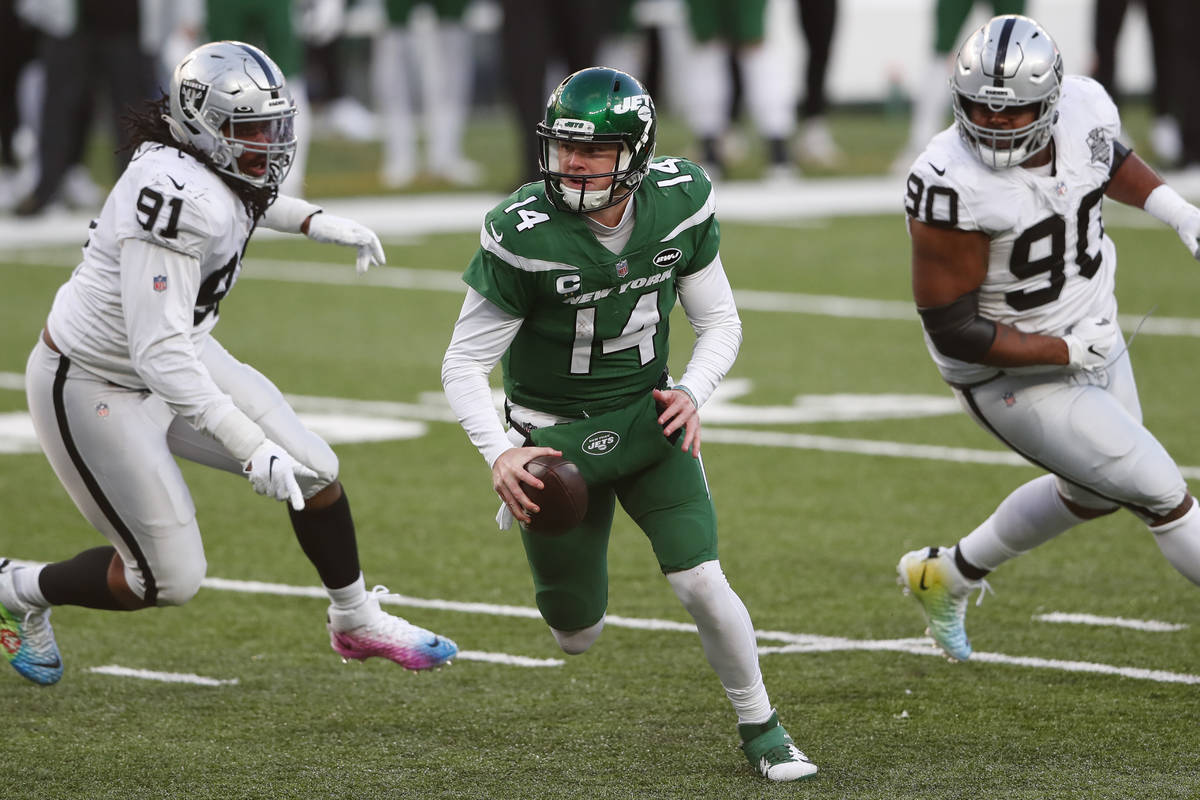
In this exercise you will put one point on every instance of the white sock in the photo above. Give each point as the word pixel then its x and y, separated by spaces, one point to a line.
pixel 708 91
pixel 25 584
pixel 390 78
pixel 349 597
pixel 727 636
pixel 1179 541
pixel 446 83
pixel 770 91
pixel 1033 514
pixel 931 101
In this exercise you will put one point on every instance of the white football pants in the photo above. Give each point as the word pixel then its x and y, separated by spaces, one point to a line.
pixel 113 450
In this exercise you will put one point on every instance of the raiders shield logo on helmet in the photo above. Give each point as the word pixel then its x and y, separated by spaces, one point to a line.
pixel 191 97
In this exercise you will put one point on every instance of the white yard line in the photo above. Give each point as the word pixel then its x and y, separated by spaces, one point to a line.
pixel 1149 625
pixel 164 677
pixel 794 642
pixel 445 280
pixel 791 642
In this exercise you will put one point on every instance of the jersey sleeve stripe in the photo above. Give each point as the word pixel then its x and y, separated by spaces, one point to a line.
pixel 489 243
pixel 707 210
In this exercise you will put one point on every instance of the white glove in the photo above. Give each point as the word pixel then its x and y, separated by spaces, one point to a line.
pixel 272 471
pixel 1188 228
pixel 1166 205
pixel 330 229
pixel 1090 341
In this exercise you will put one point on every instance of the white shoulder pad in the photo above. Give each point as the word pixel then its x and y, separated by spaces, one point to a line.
pixel 169 199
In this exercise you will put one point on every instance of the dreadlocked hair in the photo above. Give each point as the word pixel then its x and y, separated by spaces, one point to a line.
pixel 145 124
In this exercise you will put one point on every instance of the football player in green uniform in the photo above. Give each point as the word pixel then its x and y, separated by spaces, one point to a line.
pixel 571 290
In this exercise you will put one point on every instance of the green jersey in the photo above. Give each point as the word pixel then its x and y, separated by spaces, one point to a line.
pixel 596 323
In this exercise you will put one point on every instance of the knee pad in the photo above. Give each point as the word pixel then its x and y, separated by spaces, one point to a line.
pixel 698 586
pixel 575 642
pixel 178 587
pixel 176 580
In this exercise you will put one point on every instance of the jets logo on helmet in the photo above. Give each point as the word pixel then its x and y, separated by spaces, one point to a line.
pixel 1008 63
pixel 598 105
pixel 636 102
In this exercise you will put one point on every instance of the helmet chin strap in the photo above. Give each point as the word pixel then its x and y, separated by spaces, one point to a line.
pixel 583 200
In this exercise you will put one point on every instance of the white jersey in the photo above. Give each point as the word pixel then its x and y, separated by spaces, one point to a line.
pixel 1051 262
pixel 142 322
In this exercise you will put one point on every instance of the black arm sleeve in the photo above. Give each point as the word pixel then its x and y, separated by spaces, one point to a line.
pixel 957 330
pixel 1120 153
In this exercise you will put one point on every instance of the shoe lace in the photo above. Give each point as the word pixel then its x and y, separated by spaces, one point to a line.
pixel 385 618
pixel 783 753
pixel 984 587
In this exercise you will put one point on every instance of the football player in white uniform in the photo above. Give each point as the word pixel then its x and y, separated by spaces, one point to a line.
pixel 126 374
pixel 1013 276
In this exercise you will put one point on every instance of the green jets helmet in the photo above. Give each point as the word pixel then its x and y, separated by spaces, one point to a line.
pixel 597 105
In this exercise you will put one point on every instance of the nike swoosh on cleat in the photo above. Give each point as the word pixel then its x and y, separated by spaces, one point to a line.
pixel 921 583
pixel 55 664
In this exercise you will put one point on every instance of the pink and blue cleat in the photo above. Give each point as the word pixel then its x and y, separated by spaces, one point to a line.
pixel 370 631
pixel 26 638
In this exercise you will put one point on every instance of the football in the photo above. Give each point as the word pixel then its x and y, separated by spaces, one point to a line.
pixel 563 502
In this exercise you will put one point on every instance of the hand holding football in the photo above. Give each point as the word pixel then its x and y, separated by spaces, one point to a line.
pixel 563 502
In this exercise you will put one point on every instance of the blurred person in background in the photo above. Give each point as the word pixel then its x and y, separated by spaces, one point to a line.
pixel 1184 86
pixel 720 28
pixel 1014 274
pixel 328 47
pixel 817 20
pixel 439 63
pixel 18 49
pixel 273 26
pixel 85 46
pixel 126 375
pixel 534 34
pixel 1108 18
pixel 930 101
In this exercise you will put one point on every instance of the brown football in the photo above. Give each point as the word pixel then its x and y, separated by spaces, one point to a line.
pixel 563 502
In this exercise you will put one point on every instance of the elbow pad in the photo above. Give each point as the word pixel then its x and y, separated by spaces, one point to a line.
pixel 957 330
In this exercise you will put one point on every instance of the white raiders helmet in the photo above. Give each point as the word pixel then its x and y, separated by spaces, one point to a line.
pixel 228 99
pixel 1009 62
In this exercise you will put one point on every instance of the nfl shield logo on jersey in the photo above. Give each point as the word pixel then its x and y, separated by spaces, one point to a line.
pixel 622 267
pixel 160 283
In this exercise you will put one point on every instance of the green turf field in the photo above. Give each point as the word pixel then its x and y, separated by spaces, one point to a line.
pixel 812 525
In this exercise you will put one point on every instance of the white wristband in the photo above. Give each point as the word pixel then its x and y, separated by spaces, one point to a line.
pixel 287 214
pixel 1166 205
pixel 238 434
